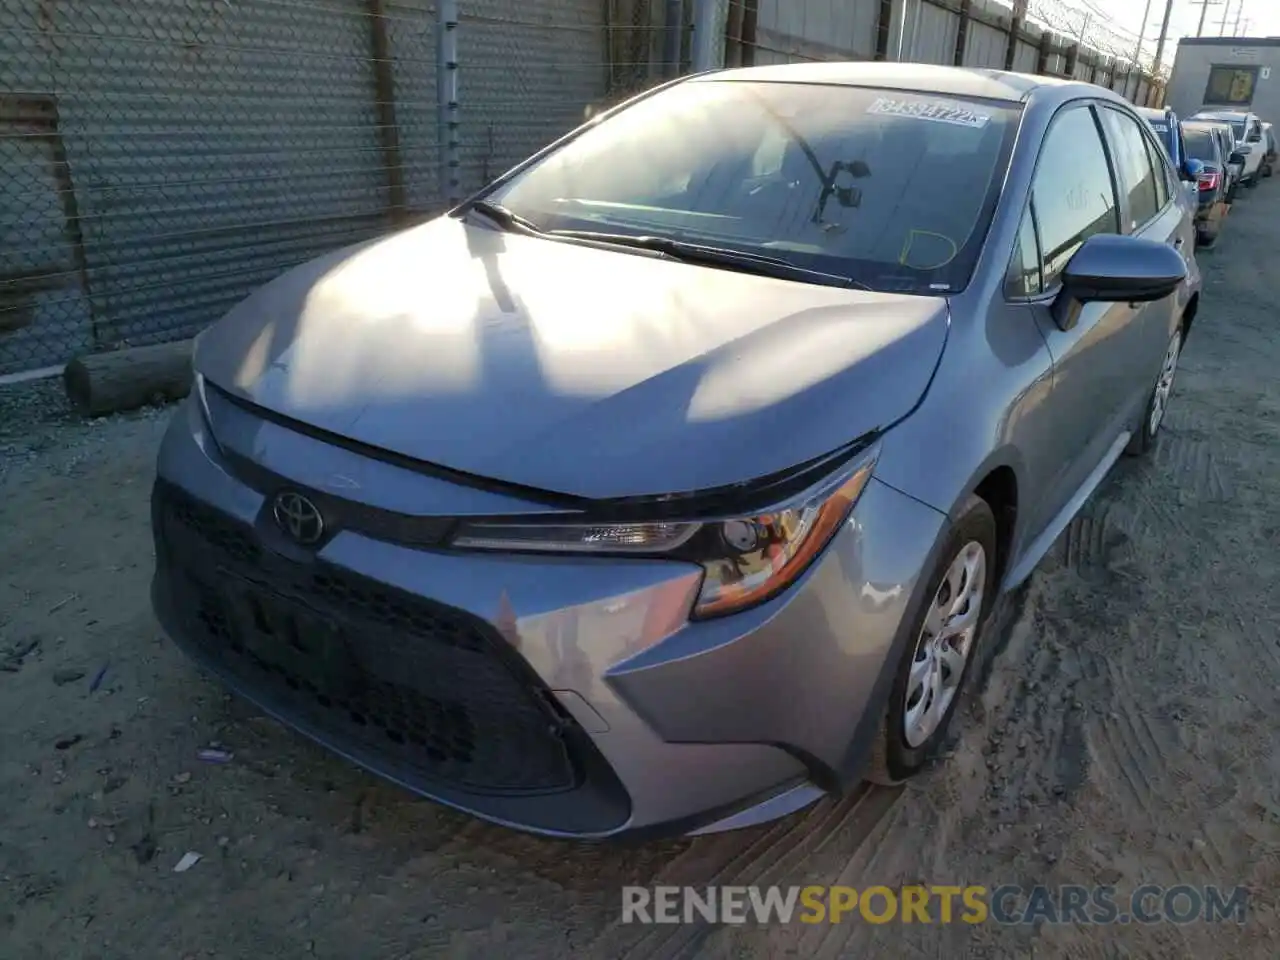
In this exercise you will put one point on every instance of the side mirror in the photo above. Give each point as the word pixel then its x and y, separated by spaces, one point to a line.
pixel 1110 268
pixel 1236 157
pixel 1244 150
pixel 1192 169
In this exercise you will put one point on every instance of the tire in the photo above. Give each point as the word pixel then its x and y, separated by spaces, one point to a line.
pixel 1145 433
pixel 971 548
pixel 1207 238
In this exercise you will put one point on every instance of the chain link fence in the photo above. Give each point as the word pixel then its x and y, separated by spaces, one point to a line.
pixel 159 159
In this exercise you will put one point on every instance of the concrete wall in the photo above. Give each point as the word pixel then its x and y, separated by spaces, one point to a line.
pixel 1188 85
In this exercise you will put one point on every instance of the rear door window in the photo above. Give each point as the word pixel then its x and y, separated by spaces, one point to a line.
pixel 1134 170
pixel 1201 145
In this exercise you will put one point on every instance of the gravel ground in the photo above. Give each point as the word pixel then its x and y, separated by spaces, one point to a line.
pixel 1123 734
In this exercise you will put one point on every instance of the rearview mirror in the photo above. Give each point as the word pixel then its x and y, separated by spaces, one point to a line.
pixel 1110 268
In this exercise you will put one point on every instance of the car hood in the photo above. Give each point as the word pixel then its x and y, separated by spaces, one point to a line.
pixel 573 369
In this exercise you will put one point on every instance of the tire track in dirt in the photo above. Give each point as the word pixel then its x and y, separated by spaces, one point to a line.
pixel 806 843
pixel 1124 740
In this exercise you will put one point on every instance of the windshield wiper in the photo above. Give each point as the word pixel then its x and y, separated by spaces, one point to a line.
pixel 507 219
pixel 712 256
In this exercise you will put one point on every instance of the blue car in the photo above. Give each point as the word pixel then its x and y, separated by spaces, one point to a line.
pixel 1168 128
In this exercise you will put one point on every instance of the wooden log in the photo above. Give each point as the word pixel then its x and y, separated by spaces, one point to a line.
pixel 99 383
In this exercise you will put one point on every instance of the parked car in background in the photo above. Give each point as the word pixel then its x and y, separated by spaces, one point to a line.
pixel 1269 141
pixel 1247 129
pixel 1226 143
pixel 1204 143
pixel 667 483
pixel 1168 128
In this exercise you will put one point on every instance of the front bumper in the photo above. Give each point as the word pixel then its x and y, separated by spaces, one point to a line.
pixel 563 696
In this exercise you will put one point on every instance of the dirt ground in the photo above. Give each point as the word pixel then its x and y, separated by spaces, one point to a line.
pixel 1124 734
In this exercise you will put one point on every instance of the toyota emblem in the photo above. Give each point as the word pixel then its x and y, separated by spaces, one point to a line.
pixel 298 517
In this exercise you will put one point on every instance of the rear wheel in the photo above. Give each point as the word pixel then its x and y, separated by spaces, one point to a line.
pixel 944 639
pixel 1144 435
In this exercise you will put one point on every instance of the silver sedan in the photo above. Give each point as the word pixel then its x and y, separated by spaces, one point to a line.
pixel 666 484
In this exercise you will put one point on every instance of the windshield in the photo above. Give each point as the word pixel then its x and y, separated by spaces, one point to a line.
pixel 1237 124
pixel 1200 145
pixel 891 190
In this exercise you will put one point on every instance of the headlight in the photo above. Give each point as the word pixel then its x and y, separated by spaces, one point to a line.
pixel 746 559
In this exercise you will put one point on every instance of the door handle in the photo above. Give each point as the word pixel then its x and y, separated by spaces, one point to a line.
pixel 1178 241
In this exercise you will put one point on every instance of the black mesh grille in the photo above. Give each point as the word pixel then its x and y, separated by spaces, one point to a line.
pixel 378 671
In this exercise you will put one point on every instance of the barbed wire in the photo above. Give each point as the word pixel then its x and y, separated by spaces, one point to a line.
pixel 1086 22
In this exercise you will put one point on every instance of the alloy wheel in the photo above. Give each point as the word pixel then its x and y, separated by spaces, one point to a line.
pixel 945 644
pixel 1164 385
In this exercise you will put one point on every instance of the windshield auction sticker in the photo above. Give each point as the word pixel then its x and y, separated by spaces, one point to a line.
pixel 939 111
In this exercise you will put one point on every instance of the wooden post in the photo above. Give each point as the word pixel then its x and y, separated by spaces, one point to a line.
pixel 385 110
pixel 750 24
pixel 1046 51
pixel 962 32
pixel 1072 58
pixel 733 36
pixel 884 27
pixel 1015 31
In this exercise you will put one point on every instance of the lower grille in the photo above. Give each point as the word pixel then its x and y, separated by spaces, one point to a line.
pixel 379 672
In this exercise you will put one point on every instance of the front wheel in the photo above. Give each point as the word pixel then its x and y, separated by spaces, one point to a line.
pixel 944 638
pixel 1144 436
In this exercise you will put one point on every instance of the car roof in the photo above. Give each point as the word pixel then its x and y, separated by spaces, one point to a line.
pixel 911 77
pixel 1161 112
pixel 1220 115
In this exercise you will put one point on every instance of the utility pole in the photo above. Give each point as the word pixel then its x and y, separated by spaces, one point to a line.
pixel 1164 35
pixel 1226 12
pixel 1204 10
pixel 1142 33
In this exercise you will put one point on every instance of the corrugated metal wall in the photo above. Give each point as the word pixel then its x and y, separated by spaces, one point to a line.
pixel 530 69
pixel 792 30
pixel 161 158
pixel 930 34
pixel 1025 57
pixel 207 146
pixel 985 46
pixel 411 40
